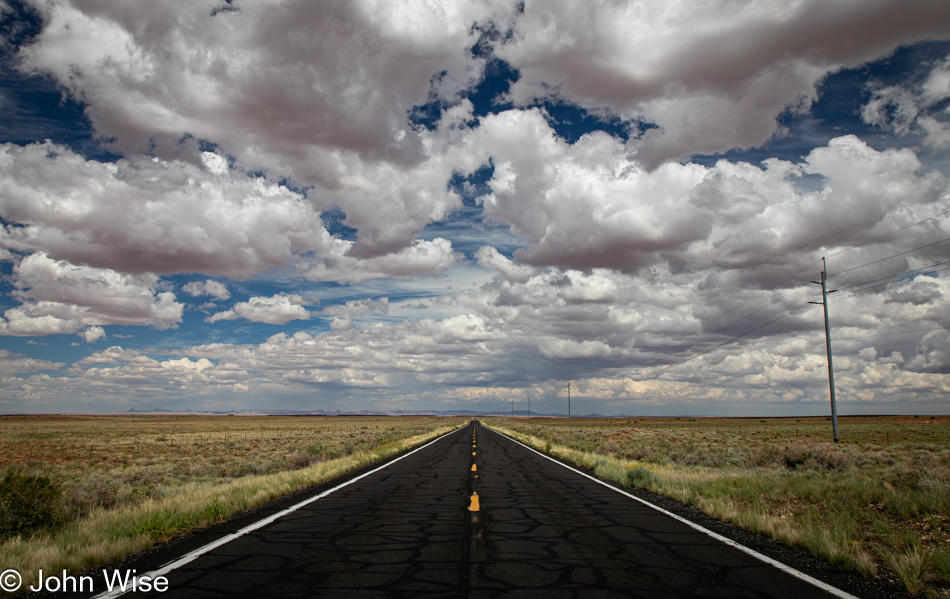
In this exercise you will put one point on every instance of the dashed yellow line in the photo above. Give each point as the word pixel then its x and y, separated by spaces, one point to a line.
pixel 474 507
pixel 473 467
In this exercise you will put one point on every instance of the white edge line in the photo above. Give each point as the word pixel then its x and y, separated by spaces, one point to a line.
pixel 195 554
pixel 784 568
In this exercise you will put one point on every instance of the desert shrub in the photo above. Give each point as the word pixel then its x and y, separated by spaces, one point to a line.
pixel 641 476
pixel 765 456
pixel 137 495
pixel 29 503
pixel 323 452
pixel 92 492
pixel 299 459
pixel 830 457
pixel 797 455
pixel 609 447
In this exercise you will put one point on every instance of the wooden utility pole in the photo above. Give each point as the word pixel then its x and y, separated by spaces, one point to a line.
pixel 831 367
pixel 568 404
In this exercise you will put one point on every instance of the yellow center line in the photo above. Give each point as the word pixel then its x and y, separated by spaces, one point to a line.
pixel 473 467
pixel 474 506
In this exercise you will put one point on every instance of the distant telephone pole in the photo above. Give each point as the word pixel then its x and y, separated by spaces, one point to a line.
pixel 568 404
pixel 831 367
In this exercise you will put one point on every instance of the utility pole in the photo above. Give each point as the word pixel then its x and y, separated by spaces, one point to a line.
pixel 568 404
pixel 831 367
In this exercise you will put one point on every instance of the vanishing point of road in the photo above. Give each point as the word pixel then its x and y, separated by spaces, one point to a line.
pixel 474 514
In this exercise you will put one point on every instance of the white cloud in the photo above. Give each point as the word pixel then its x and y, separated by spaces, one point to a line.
pixel 344 314
pixel 144 215
pixel 626 255
pixel 215 289
pixel 916 109
pixel 491 259
pixel 143 375
pixel 318 94
pixel 713 76
pixel 59 297
pixel 13 363
pixel 111 355
pixel 278 309
pixel 423 258
pixel 587 206
pixel 148 215
pixel 92 334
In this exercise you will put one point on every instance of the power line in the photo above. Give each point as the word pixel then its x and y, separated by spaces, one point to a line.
pixel 888 234
pixel 779 317
pixel 922 268
pixel 889 257
pixel 661 358
pixel 892 282
pixel 686 347
pixel 878 335
pixel 900 386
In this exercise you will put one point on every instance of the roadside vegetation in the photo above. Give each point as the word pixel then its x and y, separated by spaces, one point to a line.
pixel 877 502
pixel 79 492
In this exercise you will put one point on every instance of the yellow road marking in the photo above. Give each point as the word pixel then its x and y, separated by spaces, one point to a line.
pixel 473 453
pixel 474 506
pixel 473 467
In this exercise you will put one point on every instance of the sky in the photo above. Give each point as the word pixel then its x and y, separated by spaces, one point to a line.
pixel 461 205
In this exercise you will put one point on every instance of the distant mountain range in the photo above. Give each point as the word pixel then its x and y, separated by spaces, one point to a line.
pixel 517 413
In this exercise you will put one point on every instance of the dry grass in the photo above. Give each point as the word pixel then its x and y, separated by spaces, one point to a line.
pixel 879 502
pixel 132 482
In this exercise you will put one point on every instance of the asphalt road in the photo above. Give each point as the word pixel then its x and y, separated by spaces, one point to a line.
pixel 540 531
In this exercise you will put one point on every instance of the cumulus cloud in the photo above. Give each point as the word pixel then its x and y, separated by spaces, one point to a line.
pixel 490 258
pixel 621 262
pixel 277 309
pixel 343 315
pixel 93 334
pixel 262 78
pixel 423 258
pixel 325 107
pixel 59 297
pixel 916 109
pixel 587 206
pixel 215 289
pixel 713 76
pixel 143 375
pixel 112 355
pixel 146 215
pixel 14 363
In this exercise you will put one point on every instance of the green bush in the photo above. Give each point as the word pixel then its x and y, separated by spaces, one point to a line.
pixel 325 452
pixel 640 476
pixel 28 503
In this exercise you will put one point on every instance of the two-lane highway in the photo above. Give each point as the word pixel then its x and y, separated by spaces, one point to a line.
pixel 475 514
